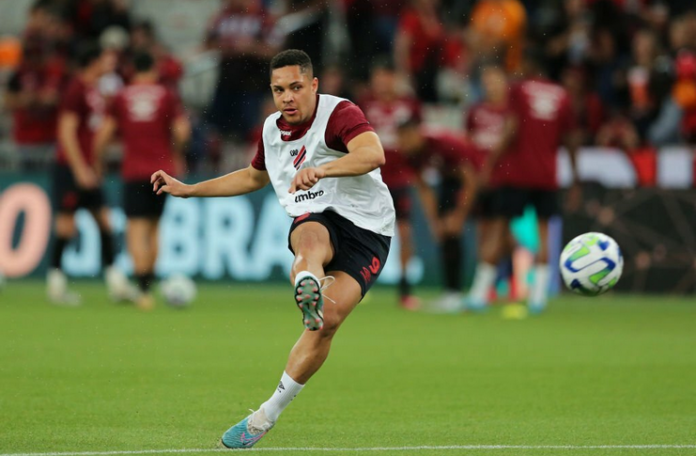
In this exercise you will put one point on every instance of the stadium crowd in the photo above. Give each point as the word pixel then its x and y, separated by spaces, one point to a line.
pixel 629 66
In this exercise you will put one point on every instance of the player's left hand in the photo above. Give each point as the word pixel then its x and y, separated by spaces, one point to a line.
pixel 306 179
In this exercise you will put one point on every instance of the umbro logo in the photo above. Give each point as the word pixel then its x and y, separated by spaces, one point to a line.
pixel 310 195
pixel 281 387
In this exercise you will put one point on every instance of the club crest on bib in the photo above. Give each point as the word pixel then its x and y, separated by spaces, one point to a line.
pixel 300 157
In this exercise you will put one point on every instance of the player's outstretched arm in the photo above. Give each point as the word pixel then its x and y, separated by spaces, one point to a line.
pixel 239 182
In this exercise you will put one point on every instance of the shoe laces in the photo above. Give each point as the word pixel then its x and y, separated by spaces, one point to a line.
pixel 326 282
pixel 257 429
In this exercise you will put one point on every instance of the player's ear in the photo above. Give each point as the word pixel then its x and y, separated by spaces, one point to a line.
pixel 315 85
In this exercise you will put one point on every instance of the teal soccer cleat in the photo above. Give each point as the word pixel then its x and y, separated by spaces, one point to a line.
pixel 310 299
pixel 247 432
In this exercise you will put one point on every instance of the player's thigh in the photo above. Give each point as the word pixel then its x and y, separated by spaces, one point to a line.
pixel 65 225
pixel 403 202
pixel 340 298
pixel 312 239
pixel 102 215
pixel 405 230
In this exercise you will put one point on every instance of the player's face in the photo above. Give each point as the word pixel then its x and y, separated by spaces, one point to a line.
pixel 410 140
pixel 494 83
pixel 383 82
pixel 294 93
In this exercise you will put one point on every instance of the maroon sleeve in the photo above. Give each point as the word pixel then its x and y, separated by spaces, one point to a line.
pixel 73 100
pixel 346 122
pixel 259 160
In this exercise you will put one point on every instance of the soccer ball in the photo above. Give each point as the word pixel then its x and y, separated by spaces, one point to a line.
pixel 178 290
pixel 591 264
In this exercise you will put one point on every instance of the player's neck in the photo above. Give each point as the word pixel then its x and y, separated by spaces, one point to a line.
pixel 144 78
pixel 89 77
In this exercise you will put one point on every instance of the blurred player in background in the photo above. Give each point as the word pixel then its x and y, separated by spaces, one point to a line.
pixel 75 182
pixel 154 131
pixel 456 163
pixel 322 157
pixel 523 171
pixel 386 108
pixel 486 125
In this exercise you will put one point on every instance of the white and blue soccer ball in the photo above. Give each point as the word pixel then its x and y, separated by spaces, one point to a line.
pixel 591 264
pixel 178 290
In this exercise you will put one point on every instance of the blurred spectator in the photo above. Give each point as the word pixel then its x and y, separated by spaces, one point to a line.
pixel 143 38
pixel 332 81
pixel 89 18
pixel 305 28
pixel 419 47
pixel 570 35
pixel 372 27
pixel 32 95
pixel 644 102
pixel 607 65
pixel 585 104
pixel 243 31
pixel 498 30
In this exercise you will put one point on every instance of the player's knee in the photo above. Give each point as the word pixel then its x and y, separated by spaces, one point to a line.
pixel 331 325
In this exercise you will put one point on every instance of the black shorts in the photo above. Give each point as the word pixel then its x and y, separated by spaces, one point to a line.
pixel 484 206
pixel 450 190
pixel 510 202
pixel 68 196
pixel 402 202
pixel 140 201
pixel 358 252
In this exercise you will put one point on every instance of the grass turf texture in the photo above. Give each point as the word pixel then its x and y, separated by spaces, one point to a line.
pixel 604 371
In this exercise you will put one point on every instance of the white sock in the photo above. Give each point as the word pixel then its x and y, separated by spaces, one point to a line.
pixel 540 287
pixel 483 281
pixel 303 275
pixel 285 392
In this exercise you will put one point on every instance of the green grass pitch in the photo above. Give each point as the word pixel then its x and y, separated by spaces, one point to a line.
pixel 614 370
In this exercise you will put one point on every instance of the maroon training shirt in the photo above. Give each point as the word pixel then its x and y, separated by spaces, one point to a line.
pixel 144 114
pixel 445 152
pixel 88 104
pixel 544 117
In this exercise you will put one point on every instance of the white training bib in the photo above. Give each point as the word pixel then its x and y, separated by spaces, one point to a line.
pixel 364 200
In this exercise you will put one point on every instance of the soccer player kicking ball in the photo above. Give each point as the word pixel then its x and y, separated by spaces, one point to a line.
pixel 322 158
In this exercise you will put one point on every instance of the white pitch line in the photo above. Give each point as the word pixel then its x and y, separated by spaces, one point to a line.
pixel 402 448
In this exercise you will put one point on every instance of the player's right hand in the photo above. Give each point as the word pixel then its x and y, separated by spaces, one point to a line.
pixel 164 183
pixel 86 178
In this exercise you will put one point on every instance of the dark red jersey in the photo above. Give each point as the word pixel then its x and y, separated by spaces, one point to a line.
pixel 144 114
pixel 544 116
pixel 88 105
pixel 445 152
